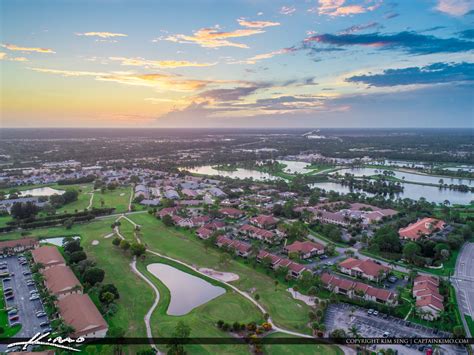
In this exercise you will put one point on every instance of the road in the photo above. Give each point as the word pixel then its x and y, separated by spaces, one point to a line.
pixel 463 282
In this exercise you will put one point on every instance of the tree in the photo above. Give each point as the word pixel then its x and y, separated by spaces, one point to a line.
pixel 124 244
pixel 116 241
pixel 21 210
pixel 77 256
pixel 458 331
pixel 94 275
pixel 110 288
pixel 182 331
pixel 410 251
pixel 137 249
pixel 167 220
pixel 107 297
pixel 72 245
pixel 68 223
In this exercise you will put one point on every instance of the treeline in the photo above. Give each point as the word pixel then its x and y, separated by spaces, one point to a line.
pixel 66 219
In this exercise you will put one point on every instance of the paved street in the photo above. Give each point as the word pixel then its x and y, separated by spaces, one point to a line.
pixel 463 279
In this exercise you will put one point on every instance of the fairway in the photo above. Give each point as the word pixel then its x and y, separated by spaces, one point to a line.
pixel 117 199
pixel 185 246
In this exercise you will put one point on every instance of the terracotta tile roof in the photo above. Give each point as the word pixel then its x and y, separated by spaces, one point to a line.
pixel 304 247
pixel 263 220
pixel 430 301
pixel 425 226
pixel 60 279
pixel 48 256
pixel 24 242
pixel 79 311
pixel 368 266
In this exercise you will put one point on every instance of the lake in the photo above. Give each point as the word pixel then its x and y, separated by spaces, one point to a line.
pixel 412 191
pixel 187 291
pixel 238 174
pixel 426 179
pixel 41 191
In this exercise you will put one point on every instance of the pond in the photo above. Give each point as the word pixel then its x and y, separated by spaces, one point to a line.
pixel 426 179
pixel 412 191
pixel 58 241
pixel 41 191
pixel 238 174
pixel 187 291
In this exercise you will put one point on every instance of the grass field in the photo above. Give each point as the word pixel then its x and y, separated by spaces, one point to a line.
pixel 117 199
pixel 7 331
pixel 127 229
pixel 82 200
pixel 183 245
pixel 229 307
pixel 303 349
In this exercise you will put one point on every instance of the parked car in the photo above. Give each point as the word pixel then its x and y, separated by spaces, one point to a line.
pixel 26 273
pixel 40 314
pixel 10 298
pixel 12 312
pixel 375 313
pixel 34 297
pixel 44 324
pixel 393 279
pixel 14 318
pixel 386 334
pixel 6 279
pixel 370 311
pixel 8 289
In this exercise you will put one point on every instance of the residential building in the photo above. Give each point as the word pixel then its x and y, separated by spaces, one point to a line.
pixel 367 269
pixel 305 250
pixel 61 281
pixel 48 256
pixel 421 228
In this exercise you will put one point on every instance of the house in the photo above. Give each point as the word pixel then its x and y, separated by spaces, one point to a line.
pixel 153 202
pixel 240 248
pixel 142 190
pixel 367 269
pixel 296 270
pixel 428 299
pixel 337 218
pixel 171 211
pixel 61 281
pixel 304 249
pixel 203 233
pixel 264 221
pixel 231 212
pixel 79 312
pixel 354 290
pixel 216 225
pixel 48 256
pixel 189 193
pixel 421 228
pixel 216 192
pixel 18 246
pixel 273 259
pixel 171 194
pixel 258 233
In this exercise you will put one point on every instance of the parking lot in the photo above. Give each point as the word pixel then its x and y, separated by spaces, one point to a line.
pixel 26 309
pixel 342 316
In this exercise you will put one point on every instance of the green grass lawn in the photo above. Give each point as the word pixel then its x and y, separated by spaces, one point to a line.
pixel 4 220
pixel 7 330
pixel 303 349
pixel 117 199
pixel 82 200
pixel 127 229
pixel 470 323
pixel 183 245
pixel 229 307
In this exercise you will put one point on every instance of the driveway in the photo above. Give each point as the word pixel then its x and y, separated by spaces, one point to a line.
pixel 26 309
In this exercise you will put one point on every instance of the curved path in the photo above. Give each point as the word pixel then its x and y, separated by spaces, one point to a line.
pixel 147 317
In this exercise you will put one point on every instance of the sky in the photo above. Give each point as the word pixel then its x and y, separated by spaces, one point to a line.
pixel 246 63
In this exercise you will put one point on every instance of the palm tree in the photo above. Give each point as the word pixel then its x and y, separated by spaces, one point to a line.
pixel 354 331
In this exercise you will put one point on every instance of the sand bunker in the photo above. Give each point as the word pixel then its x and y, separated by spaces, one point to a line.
pixel 306 299
pixel 95 242
pixel 222 276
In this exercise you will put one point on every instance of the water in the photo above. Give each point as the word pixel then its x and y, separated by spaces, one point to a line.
pixel 294 167
pixel 426 179
pixel 41 191
pixel 56 241
pixel 187 291
pixel 238 174
pixel 412 191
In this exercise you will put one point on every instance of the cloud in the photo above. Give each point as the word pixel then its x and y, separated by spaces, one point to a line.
pixel 342 8
pixel 256 24
pixel 104 35
pixel 233 94
pixel 469 34
pixel 455 7
pixel 14 47
pixel 156 81
pixel 287 10
pixel 391 15
pixel 436 73
pixel 409 42
pixel 213 38
pixel 141 62
pixel 361 27
pixel 259 57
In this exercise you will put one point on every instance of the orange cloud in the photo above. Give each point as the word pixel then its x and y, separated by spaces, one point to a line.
pixel 455 7
pixel 14 47
pixel 256 24
pixel 213 38
pixel 156 81
pixel 141 62
pixel 339 7
pixel 102 34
